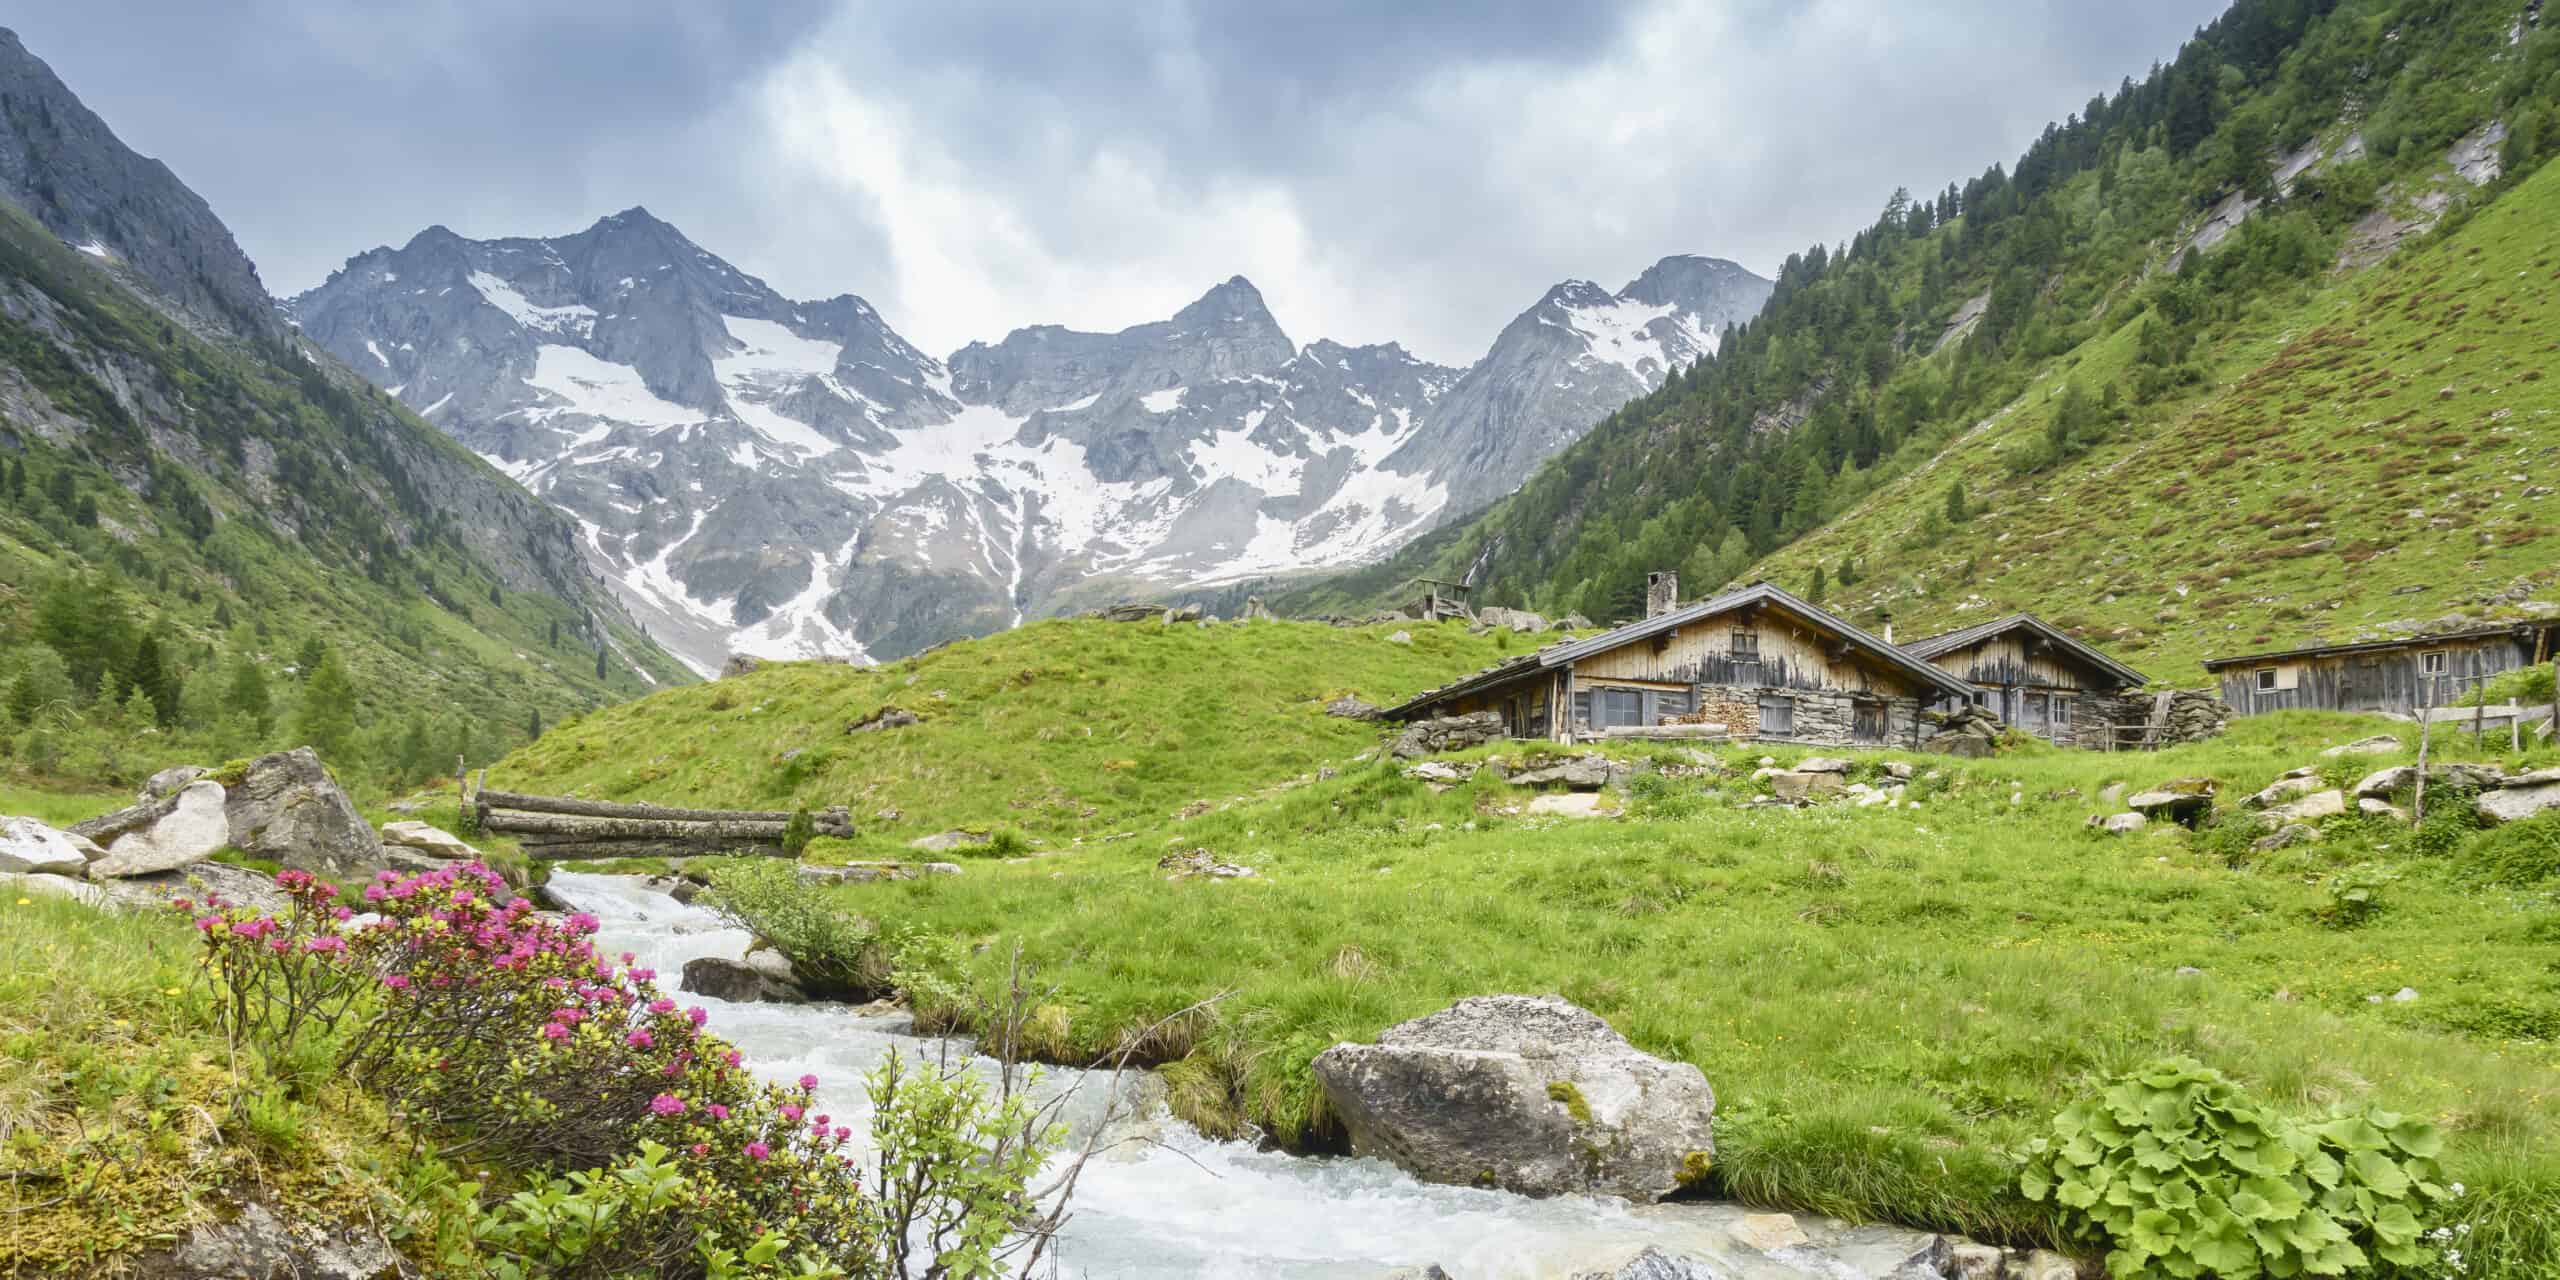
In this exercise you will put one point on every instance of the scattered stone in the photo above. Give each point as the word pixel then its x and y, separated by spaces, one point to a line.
pixel 287 809
pixel 741 664
pixel 432 840
pixel 1350 707
pixel 236 884
pixel 765 976
pixel 1200 862
pixel 2383 783
pixel 1529 1094
pixel 1822 764
pixel 2310 808
pixel 165 783
pixel 2537 778
pixel 182 828
pixel 2283 789
pixel 2404 995
pixel 2381 744
pixel 870 872
pixel 2372 808
pixel 2125 824
pixel 2286 837
pixel 1520 620
pixel 1581 773
pixel 1653 1264
pixel 2183 800
pixel 2045 1264
pixel 887 717
pixel 2189 971
pixel 1192 810
pixel 1400 637
pixel 1256 611
pixel 2514 804
pixel 23 884
pixel 1440 773
pixel 1571 804
pixel 1898 769
pixel 30 847
pixel 946 841
pixel 1798 787
pixel 1769 1232
pixel 1970 1261
pixel 1447 733
pixel 1432 1272
pixel 2111 794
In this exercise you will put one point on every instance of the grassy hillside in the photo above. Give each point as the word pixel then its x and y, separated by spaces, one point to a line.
pixel 1938 343
pixel 2382 449
pixel 1887 1000
pixel 201 518
pixel 1058 730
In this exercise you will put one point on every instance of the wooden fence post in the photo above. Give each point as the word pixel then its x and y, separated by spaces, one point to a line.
pixel 2426 723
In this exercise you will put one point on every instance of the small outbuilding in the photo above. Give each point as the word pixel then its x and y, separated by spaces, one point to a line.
pixel 1756 663
pixel 2036 678
pixel 2393 676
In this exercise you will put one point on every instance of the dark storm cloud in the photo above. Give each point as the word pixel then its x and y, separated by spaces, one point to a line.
pixel 1414 171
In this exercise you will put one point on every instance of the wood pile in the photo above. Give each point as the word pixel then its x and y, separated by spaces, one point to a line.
pixel 557 827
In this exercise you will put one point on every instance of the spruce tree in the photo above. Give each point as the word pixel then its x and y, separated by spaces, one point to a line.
pixel 599 664
pixel 1820 587
pixel 1957 512
pixel 247 695
pixel 314 651
pixel 325 719
pixel 533 728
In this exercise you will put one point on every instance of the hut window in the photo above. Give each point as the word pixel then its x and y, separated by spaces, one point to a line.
pixel 2266 679
pixel 2431 663
pixel 1746 645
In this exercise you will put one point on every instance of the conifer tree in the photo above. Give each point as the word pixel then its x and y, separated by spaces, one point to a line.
pixel 599 664
pixel 1820 587
pixel 325 719
pixel 1957 512
pixel 247 695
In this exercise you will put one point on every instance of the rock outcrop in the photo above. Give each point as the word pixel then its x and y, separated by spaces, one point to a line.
pixel 433 841
pixel 186 826
pixel 1526 1093
pixel 286 808
pixel 29 847
pixel 764 976
pixel 2183 800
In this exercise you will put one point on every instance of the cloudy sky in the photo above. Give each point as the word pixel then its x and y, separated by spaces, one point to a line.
pixel 1383 169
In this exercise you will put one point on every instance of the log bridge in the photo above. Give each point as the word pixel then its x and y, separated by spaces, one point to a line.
pixel 552 828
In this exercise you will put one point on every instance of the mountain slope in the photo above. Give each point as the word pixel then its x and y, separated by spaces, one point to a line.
pixel 2143 255
pixel 195 509
pixel 793 478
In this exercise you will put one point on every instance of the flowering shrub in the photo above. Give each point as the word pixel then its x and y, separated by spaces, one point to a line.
pixel 2181 1175
pixel 503 1033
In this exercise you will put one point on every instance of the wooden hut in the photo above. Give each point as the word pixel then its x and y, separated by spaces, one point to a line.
pixel 2036 678
pixel 2394 676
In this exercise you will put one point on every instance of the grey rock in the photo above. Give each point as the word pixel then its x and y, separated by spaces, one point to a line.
pixel 870 872
pixel 434 841
pixel 30 847
pixel 1572 804
pixel 2125 824
pixel 2183 800
pixel 1897 769
pixel 165 783
pixel 2385 783
pixel 2285 837
pixel 1519 620
pixel 765 976
pixel 1400 637
pixel 286 808
pixel 2514 804
pixel 1526 1093
pixel 888 717
pixel 1798 786
pixel 1580 773
pixel 156 890
pixel 2381 744
pixel 1447 733
pixel 2309 808
pixel 1350 707
pixel 1822 764
pixel 2282 790
pixel 2045 1264
pixel 2372 808
pixel 1652 1263
pixel 1200 864
pixel 186 827
pixel 257 1245
pixel 946 841
pixel 22 884
pixel 2112 793
pixel 1440 773
pixel 741 664
pixel 1431 1272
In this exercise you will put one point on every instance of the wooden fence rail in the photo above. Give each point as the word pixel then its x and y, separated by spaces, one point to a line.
pixel 557 827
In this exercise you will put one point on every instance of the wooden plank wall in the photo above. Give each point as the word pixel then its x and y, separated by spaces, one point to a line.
pixel 2385 680
pixel 1791 657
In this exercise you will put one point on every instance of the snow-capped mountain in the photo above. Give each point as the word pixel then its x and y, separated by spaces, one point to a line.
pixel 788 478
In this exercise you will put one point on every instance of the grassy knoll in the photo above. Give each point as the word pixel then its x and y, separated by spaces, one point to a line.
pixel 1055 730
pixel 2361 452
pixel 125 1120
pixel 1885 999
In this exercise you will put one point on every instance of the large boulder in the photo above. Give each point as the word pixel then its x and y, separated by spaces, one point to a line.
pixel 764 976
pixel 19 884
pixel 1580 773
pixel 2382 784
pixel 2514 804
pixel 1351 706
pixel 30 847
pixel 2381 744
pixel 1797 786
pixel 430 840
pixel 287 809
pixel 163 835
pixel 2300 782
pixel 1529 1094
pixel 2310 808
pixel 165 783
pixel 1447 733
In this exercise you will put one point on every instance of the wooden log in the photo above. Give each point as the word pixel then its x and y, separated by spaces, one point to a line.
pixel 582 850
pixel 508 820
pixel 576 807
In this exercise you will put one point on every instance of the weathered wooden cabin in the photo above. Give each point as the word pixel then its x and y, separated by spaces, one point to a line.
pixel 2037 679
pixel 2394 676
pixel 1759 662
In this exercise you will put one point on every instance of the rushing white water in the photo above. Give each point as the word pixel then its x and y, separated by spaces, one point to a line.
pixel 1184 1206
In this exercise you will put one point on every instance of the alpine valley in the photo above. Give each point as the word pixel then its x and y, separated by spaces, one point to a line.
pixel 793 479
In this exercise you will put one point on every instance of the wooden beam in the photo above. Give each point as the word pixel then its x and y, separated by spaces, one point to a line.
pixel 658 813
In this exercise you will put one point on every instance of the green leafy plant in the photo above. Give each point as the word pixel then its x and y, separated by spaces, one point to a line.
pixel 831 950
pixel 798 832
pixel 2355 895
pixel 2178 1173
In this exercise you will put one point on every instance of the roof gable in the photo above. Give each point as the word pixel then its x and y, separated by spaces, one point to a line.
pixel 1756 595
pixel 1944 643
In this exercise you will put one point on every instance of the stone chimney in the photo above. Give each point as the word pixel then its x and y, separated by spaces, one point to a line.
pixel 1661 593
pixel 1888 628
